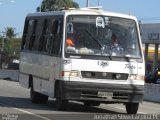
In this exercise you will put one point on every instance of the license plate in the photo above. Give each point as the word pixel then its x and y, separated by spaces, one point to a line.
pixel 107 95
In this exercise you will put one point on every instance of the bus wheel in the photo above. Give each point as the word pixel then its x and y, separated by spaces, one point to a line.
pixel 43 99
pixel 132 108
pixel 91 103
pixel 34 95
pixel 60 103
pixel 37 97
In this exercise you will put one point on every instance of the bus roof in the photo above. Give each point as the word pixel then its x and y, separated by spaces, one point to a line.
pixel 82 11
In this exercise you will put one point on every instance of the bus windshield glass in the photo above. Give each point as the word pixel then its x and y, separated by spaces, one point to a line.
pixel 101 36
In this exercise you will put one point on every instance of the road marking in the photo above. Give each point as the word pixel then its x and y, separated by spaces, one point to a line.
pixel 27 112
pixel 125 110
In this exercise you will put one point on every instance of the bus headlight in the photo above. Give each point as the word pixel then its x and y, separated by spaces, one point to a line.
pixel 74 74
pixel 118 76
pixel 70 73
pixel 137 77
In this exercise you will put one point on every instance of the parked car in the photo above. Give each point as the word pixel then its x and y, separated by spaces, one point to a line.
pixel 153 77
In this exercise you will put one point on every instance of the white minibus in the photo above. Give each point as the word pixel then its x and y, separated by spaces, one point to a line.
pixel 87 55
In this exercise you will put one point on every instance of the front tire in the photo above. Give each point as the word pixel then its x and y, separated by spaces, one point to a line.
pixel 60 102
pixel 132 108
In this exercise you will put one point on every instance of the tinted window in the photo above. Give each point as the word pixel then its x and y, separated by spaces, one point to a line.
pixel 57 30
pixel 29 34
pixel 45 36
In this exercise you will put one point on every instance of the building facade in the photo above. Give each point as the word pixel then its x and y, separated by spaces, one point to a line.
pixel 150 34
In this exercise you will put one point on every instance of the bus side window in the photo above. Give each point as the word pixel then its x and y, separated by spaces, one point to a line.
pixel 57 26
pixel 27 34
pixel 44 38
pixel 37 35
pixel 33 35
pixel 26 26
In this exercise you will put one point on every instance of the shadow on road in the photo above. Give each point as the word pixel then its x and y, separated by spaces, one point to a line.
pixel 25 103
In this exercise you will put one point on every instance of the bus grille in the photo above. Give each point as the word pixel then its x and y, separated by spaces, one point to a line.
pixel 104 75
pixel 116 96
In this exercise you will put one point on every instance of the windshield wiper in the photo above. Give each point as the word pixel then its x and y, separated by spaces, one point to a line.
pixel 97 41
pixel 103 48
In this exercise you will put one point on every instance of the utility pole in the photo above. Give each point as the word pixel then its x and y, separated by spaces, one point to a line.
pixel 2 48
pixel 3 43
pixel 3 37
pixel 98 2
pixel 87 4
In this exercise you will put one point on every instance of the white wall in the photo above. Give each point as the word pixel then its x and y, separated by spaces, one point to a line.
pixel 9 74
pixel 152 92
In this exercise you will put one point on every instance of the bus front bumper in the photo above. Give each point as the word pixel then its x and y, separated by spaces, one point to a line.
pixel 83 91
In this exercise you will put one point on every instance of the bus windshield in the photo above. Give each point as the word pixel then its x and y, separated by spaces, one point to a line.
pixel 101 36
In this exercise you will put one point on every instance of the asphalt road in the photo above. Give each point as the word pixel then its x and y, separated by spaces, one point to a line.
pixel 15 104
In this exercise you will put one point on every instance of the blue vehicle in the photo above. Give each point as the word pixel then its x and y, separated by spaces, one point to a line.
pixel 153 77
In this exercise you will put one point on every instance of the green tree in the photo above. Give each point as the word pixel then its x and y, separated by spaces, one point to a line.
pixel 10 32
pixel 11 44
pixel 12 47
pixel 54 5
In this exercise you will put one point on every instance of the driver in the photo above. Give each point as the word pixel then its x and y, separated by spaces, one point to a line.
pixel 115 44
